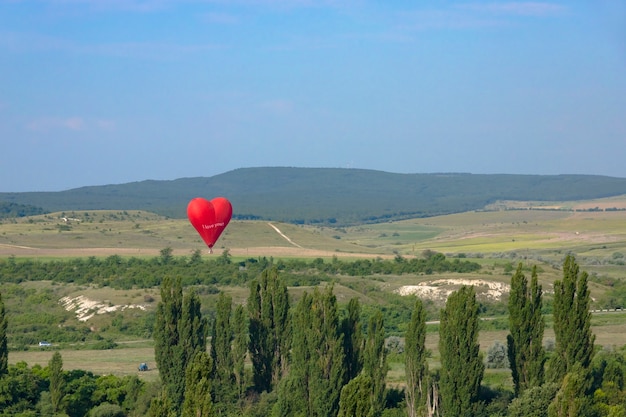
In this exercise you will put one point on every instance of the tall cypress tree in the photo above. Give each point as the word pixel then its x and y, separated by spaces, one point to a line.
pixel 416 367
pixel 4 350
pixel 269 343
pixel 259 343
pixel 293 397
pixel 167 349
pixel 537 354
pixel 326 354
pixel 193 332
pixel 161 406
pixel 179 333
pixel 221 353
pixel 572 322
pixel 526 326
pixel 193 327
pixel 315 380
pixel 197 400
pixel 572 400
pixel 375 361
pixel 462 365
pixel 240 349
pixel 57 382
pixel 352 340
pixel 356 398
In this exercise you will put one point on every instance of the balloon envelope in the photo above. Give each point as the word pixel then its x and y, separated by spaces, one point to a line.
pixel 209 218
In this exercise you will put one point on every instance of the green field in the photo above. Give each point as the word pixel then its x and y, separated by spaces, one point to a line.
pixel 495 239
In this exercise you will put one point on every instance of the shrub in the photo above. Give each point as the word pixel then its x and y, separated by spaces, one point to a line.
pixel 107 410
pixel 497 357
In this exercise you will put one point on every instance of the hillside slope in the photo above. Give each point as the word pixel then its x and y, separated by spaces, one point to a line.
pixel 326 195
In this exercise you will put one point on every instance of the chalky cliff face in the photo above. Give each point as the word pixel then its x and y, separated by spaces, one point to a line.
pixel 439 290
pixel 85 308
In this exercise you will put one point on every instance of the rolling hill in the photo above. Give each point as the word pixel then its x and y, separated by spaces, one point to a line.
pixel 329 196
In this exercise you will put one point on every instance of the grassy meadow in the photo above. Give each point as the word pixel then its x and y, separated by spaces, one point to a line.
pixel 496 239
pixel 548 231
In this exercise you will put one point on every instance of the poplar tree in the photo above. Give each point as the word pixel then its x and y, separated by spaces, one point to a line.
pixel 197 399
pixel 4 350
pixel 462 365
pixel 221 354
pixel 161 406
pixel 269 331
pixel 375 361
pixel 193 327
pixel 572 400
pixel 526 325
pixel 180 332
pixel 352 340
pixel 293 391
pixel 416 367
pixel 167 348
pixel 356 398
pixel 57 382
pixel 240 349
pixel 326 354
pixel 315 380
pixel 572 322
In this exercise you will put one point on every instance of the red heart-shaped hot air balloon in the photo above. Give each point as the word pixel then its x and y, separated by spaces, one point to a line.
pixel 209 218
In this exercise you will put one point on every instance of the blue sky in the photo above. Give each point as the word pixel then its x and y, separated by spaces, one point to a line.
pixel 97 92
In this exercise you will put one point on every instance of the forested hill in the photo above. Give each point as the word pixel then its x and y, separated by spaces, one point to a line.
pixel 325 195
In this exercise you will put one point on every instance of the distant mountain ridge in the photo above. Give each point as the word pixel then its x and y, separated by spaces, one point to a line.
pixel 332 196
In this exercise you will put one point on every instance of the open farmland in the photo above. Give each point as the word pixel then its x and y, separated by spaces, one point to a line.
pixel 547 230
pixel 496 239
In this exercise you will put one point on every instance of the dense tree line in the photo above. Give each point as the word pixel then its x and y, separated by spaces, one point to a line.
pixel 126 273
pixel 52 391
pixel 10 210
pixel 315 359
